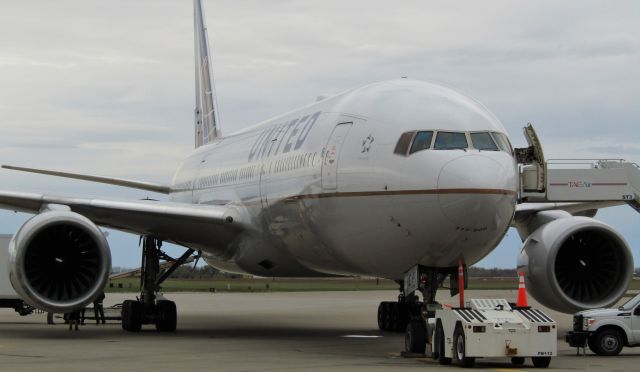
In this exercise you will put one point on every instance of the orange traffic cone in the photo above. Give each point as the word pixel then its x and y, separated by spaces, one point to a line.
pixel 522 292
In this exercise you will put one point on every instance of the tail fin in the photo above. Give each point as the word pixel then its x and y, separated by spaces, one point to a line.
pixel 206 112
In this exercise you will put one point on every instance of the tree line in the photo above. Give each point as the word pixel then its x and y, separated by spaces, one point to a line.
pixel 208 272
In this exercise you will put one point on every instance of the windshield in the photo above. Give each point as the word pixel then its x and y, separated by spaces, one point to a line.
pixel 422 141
pixel 629 305
pixel 503 142
pixel 450 140
pixel 483 141
pixel 403 143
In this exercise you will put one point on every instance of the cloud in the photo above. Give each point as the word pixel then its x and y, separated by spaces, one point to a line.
pixel 108 86
pixel 615 150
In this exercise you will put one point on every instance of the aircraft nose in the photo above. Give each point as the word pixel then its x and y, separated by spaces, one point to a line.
pixel 477 192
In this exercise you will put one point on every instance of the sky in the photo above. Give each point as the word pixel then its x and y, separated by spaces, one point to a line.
pixel 107 87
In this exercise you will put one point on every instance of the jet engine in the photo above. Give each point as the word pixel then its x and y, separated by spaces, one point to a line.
pixel 576 263
pixel 59 261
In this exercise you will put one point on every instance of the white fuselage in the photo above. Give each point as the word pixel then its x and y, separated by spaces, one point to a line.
pixel 325 194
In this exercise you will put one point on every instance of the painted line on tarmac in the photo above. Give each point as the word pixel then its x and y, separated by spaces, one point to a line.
pixel 361 336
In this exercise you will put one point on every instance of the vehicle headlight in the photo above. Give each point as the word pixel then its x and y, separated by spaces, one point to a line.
pixel 587 322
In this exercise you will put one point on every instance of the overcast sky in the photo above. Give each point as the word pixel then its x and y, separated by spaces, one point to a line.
pixel 107 86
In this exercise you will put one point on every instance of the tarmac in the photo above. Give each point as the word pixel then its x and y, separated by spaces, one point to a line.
pixel 299 331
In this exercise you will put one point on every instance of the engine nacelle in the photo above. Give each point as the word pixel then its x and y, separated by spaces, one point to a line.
pixel 576 263
pixel 59 261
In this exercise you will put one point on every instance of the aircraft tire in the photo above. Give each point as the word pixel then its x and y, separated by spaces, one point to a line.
pixel 132 312
pixel 387 321
pixel 381 316
pixel 167 316
pixel 415 338
pixel 403 316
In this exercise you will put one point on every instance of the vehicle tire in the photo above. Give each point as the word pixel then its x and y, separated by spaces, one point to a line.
pixel 541 362
pixel 459 350
pixel 415 337
pixel 442 359
pixel 381 316
pixel 132 315
pixel 517 361
pixel 608 342
pixel 167 320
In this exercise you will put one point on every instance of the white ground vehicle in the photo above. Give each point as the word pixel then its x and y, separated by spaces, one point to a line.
pixel 492 328
pixel 607 331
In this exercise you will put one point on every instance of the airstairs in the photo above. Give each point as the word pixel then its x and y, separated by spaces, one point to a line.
pixel 575 180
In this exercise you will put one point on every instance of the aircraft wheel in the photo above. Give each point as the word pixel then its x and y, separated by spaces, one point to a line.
pixel 132 312
pixel 381 316
pixel 167 316
pixel 403 316
pixel 415 337
pixel 395 322
pixel 387 321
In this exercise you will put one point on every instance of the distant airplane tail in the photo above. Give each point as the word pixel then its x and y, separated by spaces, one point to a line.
pixel 206 112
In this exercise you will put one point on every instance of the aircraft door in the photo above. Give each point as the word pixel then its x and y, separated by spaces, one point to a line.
pixel 332 156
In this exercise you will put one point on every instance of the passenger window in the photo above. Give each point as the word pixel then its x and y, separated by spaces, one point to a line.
pixel 422 141
pixel 483 141
pixel 450 141
pixel 403 143
pixel 503 142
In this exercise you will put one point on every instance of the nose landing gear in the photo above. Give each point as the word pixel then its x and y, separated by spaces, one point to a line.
pixel 151 308
pixel 410 315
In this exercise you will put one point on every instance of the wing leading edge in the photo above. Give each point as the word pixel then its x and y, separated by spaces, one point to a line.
pixel 195 226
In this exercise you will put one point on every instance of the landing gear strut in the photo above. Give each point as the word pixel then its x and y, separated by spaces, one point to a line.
pixel 410 315
pixel 149 309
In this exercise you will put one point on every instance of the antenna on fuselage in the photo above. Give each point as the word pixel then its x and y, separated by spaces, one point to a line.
pixel 206 111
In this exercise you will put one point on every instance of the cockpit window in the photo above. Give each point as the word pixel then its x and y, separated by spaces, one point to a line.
pixel 422 141
pixel 503 142
pixel 450 140
pixel 403 143
pixel 483 141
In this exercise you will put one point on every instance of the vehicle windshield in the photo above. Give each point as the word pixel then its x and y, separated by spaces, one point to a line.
pixel 629 305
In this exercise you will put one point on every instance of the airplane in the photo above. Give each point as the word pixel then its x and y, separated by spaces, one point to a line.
pixel 374 181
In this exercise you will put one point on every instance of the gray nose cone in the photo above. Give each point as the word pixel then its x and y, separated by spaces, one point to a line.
pixel 476 192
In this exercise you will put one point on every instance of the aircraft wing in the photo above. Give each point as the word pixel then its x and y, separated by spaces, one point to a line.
pixel 195 226
pixel 163 189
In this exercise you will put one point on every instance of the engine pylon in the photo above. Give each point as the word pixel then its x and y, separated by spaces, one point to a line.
pixel 522 292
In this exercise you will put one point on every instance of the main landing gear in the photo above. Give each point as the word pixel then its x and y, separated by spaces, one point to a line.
pixel 149 308
pixel 409 314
